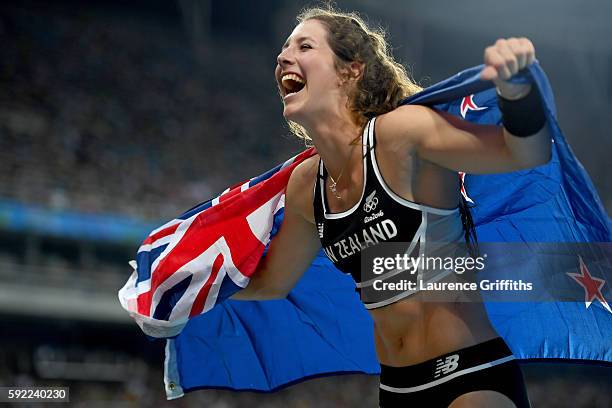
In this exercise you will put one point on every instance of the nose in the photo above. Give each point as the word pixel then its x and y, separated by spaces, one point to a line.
pixel 284 58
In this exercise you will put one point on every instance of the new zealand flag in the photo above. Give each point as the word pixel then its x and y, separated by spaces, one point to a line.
pixel 188 266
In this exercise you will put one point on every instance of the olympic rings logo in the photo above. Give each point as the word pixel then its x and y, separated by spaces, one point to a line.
pixel 370 205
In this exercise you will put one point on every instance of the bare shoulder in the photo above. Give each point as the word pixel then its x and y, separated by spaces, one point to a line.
pixel 401 128
pixel 300 189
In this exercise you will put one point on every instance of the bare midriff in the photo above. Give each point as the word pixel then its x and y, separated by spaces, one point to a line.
pixel 412 330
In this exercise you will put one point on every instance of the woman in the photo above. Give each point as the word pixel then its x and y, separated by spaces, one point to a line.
pixel 341 90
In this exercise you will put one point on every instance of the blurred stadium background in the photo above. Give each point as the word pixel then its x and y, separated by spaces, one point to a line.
pixel 117 115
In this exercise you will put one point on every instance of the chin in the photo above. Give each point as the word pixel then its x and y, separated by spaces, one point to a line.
pixel 295 109
pixel 292 113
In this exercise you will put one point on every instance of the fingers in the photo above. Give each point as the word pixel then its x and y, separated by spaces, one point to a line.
pixel 530 51
pixel 488 73
pixel 515 46
pixel 507 57
pixel 523 50
pixel 500 59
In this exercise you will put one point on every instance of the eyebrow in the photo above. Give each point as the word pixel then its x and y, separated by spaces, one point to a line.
pixel 299 39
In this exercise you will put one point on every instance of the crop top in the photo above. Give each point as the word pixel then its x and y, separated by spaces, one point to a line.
pixel 382 216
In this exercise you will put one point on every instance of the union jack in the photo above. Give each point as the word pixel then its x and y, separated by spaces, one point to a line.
pixel 189 264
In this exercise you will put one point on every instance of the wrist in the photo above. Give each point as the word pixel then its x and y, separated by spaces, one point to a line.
pixel 512 92
pixel 523 117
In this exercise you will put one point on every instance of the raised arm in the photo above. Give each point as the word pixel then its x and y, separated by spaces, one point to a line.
pixel 295 245
pixel 523 141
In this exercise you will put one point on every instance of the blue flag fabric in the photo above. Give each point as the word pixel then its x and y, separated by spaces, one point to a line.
pixel 322 327
pixel 556 202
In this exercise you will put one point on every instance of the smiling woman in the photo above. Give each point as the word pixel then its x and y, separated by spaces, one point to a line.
pixel 383 82
pixel 341 88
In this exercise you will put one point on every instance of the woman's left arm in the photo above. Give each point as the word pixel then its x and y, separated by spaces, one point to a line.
pixel 523 142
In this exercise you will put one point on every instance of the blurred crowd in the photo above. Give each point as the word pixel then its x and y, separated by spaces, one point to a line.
pixel 134 382
pixel 103 112
pixel 107 113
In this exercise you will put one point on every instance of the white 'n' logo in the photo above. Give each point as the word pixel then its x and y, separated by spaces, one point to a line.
pixel 447 365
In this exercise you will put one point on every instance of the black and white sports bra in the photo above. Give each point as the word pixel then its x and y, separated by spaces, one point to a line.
pixel 382 216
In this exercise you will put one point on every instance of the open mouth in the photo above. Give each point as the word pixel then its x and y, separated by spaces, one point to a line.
pixel 291 84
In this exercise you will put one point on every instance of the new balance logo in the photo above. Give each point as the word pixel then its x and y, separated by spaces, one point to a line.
pixel 371 202
pixel 447 365
pixel 320 229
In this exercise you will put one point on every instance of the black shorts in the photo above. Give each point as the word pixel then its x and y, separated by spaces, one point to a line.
pixel 439 381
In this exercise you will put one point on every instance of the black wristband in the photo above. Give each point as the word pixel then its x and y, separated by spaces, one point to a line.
pixel 523 117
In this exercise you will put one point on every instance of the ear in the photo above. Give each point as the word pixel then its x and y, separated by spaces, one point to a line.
pixel 351 73
pixel 355 69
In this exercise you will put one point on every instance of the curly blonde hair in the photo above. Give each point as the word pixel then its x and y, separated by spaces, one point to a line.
pixel 383 83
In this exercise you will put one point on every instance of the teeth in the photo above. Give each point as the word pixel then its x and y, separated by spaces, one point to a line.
pixel 292 77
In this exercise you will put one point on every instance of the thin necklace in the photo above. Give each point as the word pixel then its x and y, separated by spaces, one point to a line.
pixel 334 183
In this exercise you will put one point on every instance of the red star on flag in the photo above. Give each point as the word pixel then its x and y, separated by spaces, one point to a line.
pixel 463 190
pixel 467 104
pixel 592 286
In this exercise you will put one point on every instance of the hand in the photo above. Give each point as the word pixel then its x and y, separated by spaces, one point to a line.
pixel 503 60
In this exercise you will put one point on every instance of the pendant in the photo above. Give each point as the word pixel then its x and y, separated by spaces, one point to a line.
pixel 332 187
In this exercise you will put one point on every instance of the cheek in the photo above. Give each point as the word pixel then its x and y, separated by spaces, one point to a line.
pixel 330 73
pixel 324 77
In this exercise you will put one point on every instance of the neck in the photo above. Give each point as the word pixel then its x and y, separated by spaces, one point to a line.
pixel 333 137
